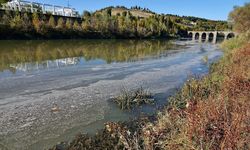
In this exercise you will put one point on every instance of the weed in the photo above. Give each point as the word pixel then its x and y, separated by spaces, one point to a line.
pixel 127 99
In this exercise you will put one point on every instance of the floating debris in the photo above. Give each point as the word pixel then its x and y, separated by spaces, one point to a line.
pixel 55 108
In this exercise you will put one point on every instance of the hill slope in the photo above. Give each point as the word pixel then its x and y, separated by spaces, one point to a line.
pixel 191 22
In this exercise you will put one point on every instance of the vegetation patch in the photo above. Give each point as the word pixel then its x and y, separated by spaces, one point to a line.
pixel 128 99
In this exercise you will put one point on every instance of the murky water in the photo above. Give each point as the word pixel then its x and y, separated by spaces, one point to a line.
pixel 79 77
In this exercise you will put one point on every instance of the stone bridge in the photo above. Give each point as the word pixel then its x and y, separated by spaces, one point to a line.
pixel 211 36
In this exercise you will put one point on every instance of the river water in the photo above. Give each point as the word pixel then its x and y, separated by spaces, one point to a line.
pixel 78 77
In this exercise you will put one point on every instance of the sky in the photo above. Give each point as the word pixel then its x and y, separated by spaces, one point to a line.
pixel 210 9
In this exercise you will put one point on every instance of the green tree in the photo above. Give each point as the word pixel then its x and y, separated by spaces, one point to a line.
pixel 17 21
pixel 68 24
pixel 3 1
pixel 6 18
pixel 86 25
pixel 86 14
pixel 26 22
pixel 109 11
pixel 52 23
pixel 76 26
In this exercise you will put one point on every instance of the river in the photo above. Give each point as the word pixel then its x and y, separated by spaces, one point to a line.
pixel 79 77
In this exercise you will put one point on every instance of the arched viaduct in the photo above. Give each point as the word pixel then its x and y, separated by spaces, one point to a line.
pixel 210 35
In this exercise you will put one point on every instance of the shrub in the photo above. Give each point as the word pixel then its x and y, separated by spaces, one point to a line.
pixel 127 99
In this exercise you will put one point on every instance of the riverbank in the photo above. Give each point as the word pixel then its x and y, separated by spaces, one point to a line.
pixel 207 113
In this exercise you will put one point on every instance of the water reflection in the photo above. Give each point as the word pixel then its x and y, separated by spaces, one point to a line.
pixel 37 55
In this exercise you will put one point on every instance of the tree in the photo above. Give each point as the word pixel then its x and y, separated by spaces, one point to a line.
pixel 86 25
pixel 17 21
pixel 3 1
pixel 86 14
pixel 26 22
pixel 52 23
pixel 240 17
pixel 36 22
pixel 109 11
pixel 68 24
pixel 76 26
pixel 124 13
pixel 60 23
pixel 6 17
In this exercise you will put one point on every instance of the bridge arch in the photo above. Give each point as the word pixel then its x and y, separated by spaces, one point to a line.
pixel 203 36
pixel 190 34
pixel 230 35
pixel 197 35
pixel 221 36
pixel 210 37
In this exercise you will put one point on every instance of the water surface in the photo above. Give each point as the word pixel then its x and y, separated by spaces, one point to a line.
pixel 79 77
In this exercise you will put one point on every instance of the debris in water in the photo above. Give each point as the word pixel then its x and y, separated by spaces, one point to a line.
pixel 55 108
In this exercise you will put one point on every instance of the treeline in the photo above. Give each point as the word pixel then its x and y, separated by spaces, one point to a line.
pixel 91 25
pixel 201 24
pixel 101 24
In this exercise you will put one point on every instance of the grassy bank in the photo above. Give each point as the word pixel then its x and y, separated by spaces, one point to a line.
pixel 210 113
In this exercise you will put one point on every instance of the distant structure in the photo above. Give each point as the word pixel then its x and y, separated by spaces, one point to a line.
pixel 32 7
pixel 210 35
pixel 32 66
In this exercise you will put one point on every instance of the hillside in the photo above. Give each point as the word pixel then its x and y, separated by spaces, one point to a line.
pixel 191 22
pixel 136 12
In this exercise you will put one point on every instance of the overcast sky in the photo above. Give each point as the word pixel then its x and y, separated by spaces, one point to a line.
pixel 211 9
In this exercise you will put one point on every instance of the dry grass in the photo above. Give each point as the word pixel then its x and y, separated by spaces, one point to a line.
pixel 209 114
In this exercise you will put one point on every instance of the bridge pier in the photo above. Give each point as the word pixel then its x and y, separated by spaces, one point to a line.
pixel 215 37
pixel 207 37
pixel 225 38
pixel 193 36
pixel 200 37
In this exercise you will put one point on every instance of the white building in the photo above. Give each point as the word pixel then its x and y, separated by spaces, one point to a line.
pixel 27 6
